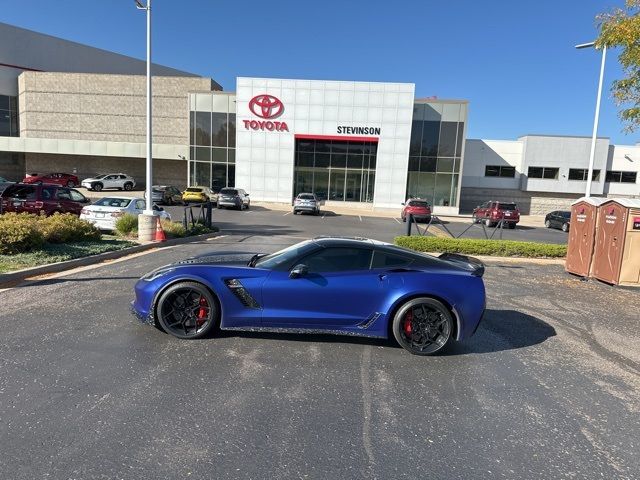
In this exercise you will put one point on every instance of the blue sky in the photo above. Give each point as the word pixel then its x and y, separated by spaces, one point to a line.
pixel 513 60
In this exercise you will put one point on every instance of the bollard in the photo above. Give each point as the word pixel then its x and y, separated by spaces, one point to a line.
pixel 208 215
pixel 409 222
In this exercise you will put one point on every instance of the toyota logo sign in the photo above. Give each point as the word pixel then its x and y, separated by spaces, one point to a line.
pixel 266 106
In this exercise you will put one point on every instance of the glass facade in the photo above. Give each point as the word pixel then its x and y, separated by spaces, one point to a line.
pixel 335 170
pixel 435 152
pixel 9 116
pixel 212 158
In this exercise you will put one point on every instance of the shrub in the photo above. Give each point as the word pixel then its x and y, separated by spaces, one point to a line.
pixel 19 233
pixel 173 229
pixel 200 229
pixel 467 246
pixel 64 228
pixel 127 224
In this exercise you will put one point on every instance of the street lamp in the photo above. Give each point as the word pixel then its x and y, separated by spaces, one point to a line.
pixel 595 121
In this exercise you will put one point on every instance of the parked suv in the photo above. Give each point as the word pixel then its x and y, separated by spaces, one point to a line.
pixel 119 181
pixel 165 194
pixel 62 179
pixel 306 202
pixel 233 197
pixel 492 212
pixel 199 195
pixel 559 219
pixel 21 197
pixel 420 209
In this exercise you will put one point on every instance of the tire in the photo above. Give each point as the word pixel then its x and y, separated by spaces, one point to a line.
pixel 474 219
pixel 128 186
pixel 248 205
pixel 565 227
pixel 97 187
pixel 512 226
pixel 71 184
pixel 488 222
pixel 423 326
pixel 219 207
pixel 295 212
pixel 187 310
pixel 547 223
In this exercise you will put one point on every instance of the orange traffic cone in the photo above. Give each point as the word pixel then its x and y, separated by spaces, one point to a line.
pixel 160 236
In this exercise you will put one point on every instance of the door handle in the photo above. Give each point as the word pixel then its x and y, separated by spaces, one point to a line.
pixel 382 276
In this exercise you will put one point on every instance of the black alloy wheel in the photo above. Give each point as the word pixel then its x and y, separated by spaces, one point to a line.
pixel 128 186
pixel 423 326
pixel 565 227
pixel 97 187
pixel 187 310
pixel 71 184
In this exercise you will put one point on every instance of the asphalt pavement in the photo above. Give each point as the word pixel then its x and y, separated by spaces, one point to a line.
pixel 547 388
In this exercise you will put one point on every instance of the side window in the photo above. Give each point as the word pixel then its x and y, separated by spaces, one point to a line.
pixel 140 205
pixel 123 177
pixel 48 193
pixel 76 196
pixel 63 194
pixel 338 259
pixel 389 260
pixel 25 193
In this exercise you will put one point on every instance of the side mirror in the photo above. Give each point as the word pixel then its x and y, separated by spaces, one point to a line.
pixel 298 271
pixel 402 203
pixel 246 194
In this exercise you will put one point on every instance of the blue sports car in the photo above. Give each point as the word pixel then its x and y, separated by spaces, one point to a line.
pixel 348 286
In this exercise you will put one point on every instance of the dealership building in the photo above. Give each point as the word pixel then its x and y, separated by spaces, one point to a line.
pixel 72 108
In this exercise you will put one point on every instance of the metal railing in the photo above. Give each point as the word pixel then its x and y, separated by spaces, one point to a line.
pixel 203 215
pixel 412 221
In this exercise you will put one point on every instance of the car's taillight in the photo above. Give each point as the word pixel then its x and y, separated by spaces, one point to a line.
pixel 39 204
pixel 117 214
pixel 84 211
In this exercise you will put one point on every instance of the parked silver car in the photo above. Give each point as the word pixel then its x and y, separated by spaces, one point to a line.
pixel 233 197
pixel 119 181
pixel 306 202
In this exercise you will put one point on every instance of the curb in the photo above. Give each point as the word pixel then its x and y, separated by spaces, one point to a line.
pixel 10 279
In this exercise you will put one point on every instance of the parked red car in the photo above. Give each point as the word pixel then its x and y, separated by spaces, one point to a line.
pixel 21 197
pixel 420 209
pixel 492 212
pixel 62 179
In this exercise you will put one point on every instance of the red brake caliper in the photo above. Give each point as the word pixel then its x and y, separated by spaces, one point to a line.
pixel 202 311
pixel 407 323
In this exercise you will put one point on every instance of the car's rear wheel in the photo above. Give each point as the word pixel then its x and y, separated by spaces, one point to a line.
pixel 423 326
pixel 187 310
pixel 97 187
pixel 488 222
pixel 71 184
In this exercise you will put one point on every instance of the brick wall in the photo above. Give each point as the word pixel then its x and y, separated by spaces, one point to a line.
pixel 105 107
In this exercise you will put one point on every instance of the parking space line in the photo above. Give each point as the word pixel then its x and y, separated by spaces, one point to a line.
pixel 360 217
pixel 397 221
pixel 288 213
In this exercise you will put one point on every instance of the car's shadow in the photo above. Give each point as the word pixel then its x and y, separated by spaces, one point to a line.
pixel 500 330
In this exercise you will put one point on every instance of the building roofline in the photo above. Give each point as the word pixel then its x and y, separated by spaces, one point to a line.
pixel 560 136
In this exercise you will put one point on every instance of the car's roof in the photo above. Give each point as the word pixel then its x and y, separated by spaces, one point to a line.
pixel 117 197
pixel 334 241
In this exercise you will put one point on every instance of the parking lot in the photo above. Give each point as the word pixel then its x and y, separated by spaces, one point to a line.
pixel 547 388
pixel 271 222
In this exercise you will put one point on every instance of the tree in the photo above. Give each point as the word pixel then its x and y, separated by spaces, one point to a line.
pixel 621 28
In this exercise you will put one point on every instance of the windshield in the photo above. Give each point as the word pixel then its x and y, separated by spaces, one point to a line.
pixel 284 257
pixel 306 196
pixel 418 204
pixel 113 202
pixel 565 214
pixel 99 176
pixel 193 189
pixel 229 191
pixel 507 206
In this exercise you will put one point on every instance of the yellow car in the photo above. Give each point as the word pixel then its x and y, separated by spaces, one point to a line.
pixel 198 194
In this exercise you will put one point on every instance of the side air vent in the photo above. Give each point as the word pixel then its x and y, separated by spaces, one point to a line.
pixel 369 320
pixel 241 293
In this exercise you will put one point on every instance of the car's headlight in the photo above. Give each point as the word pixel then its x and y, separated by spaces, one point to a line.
pixel 158 272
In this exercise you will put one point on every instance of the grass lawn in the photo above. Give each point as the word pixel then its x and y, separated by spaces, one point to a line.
pixel 52 253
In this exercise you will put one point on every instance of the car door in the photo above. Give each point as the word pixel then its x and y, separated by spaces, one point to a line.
pixel 339 290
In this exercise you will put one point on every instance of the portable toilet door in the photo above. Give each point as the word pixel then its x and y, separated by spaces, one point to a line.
pixel 607 256
pixel 630 267
pixel 582 235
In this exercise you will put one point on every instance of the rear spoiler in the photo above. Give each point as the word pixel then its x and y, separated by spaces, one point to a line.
pixel 473 265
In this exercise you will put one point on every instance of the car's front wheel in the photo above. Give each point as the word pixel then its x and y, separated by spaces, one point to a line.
pixel 488 222
pixel 565 227
pixel 547 223
pixel 97 187
pixel 71 184
pixel 423 326
pixel 187 310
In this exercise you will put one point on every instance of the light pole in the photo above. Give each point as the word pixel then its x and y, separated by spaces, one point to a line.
pixel 597 115
pixel 146 221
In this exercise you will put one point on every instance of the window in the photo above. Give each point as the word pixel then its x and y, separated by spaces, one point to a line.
pixel 621 177
pixel 389 260
pixel 338 259
pixel 140 204
pixel 582 174
pixel 64 194
pixel 77 196
pixel 549 173
pixel 499 171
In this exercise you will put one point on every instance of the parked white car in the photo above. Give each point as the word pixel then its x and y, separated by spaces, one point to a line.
pixel 105 212
pixel 119 181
